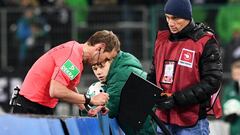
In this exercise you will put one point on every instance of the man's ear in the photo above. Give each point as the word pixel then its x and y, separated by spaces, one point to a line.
pixel 100 46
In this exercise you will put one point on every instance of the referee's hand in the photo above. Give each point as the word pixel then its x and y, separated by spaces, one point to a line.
pixel 93 112
pixel 100 99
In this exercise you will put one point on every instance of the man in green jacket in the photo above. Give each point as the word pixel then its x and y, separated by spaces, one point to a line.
pixel 114 73
pixel 231 99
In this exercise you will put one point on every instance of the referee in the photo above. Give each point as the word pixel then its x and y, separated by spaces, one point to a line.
pixel 56 74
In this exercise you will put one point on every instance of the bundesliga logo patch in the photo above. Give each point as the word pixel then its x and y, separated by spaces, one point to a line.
pixel 186 58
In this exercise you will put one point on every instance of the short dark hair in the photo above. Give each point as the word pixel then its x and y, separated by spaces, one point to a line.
pixel 236 64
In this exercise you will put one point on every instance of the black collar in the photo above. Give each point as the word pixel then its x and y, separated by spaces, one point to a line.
pixel 184 33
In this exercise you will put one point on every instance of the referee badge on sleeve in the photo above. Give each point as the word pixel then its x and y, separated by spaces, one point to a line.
pixel 70 69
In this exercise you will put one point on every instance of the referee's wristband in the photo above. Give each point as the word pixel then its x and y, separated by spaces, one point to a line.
pixel 87 99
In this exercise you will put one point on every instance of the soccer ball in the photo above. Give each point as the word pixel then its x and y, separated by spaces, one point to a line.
pixel 93 90
pixel 231 106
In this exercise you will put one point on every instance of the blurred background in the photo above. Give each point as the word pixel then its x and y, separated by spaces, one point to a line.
pixel 28 28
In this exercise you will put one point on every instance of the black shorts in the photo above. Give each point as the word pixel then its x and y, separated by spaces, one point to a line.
pixel 25 106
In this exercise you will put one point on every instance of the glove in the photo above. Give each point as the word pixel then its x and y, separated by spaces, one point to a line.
pixel 166 102
pixel 231 118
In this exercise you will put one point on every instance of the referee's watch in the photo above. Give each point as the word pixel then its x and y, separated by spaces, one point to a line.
pixel 87 99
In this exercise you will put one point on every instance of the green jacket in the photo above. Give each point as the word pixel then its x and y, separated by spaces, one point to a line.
pixel 121 68
pixel 229 92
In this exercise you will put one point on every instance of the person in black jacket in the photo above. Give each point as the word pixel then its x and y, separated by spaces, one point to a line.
pixel 187 65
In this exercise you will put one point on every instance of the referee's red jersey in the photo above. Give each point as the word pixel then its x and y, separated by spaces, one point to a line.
pixel 63 63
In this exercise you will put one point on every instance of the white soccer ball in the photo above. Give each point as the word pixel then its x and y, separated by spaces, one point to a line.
pixel 93 90
pixel 231 106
